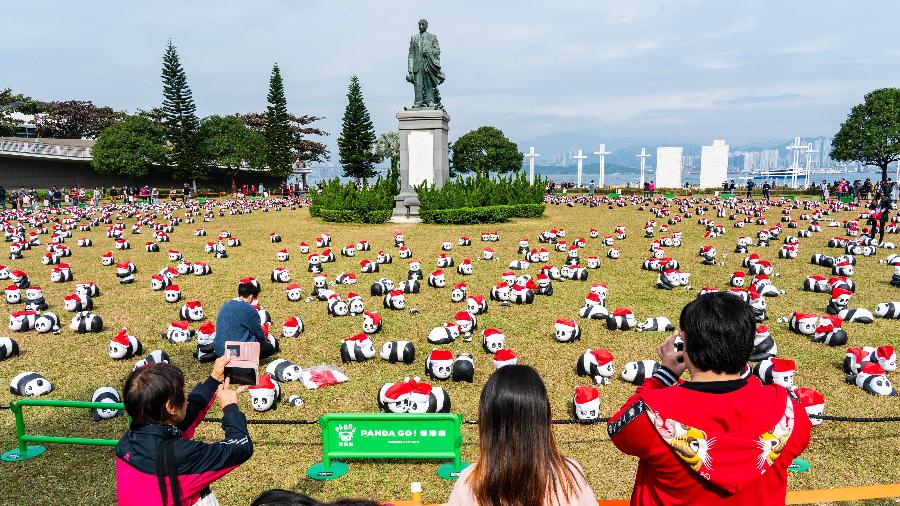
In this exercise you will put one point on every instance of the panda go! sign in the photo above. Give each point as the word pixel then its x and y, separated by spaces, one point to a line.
pixel 389 436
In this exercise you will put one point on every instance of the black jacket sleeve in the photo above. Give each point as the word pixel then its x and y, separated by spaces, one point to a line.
pixel 199 400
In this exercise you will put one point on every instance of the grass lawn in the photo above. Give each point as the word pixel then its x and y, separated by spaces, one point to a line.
pixel 841 454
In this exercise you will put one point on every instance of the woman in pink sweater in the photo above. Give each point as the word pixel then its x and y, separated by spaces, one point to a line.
pixel 519 464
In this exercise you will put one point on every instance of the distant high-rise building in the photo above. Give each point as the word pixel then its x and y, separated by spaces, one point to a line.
pixel 769 159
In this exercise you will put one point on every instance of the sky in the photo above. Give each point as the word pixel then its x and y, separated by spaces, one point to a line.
pixel 683 71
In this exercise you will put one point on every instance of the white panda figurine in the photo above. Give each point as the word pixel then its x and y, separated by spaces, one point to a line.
pixel 438 364
pixel 30 384
pixel 264 396
pixel 621 319
pixel 281 275
pixel 124 346
pixel 656 324
pixel 292 327
pixel 567 331
pixel 107 395
pixel 8 348
pixel 86 321
pixel 172 294
pixel 293 293
pixel 358 348
pixel 22 321
pixel 776 371
pixel 444 335
pixel 154 357
pixel 586 404
pixel 459 293
pixel 872 380
pixel 284 370
pixel 46 322
pixel 395 300
pixel 371 322
pixel 192 311
pixel 336 306
pixel 636 372
pixel 398 351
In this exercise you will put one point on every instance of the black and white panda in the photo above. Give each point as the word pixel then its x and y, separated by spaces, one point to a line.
pixel 437 279
pixel 202 269
pixel 856 315
pixel 395 300
pixel 284 370
pixel 281 275
pixel 596 364
pixel 445 334
pixel 383 258
pixel 8 348
pixel 86 321
pixel 459 293
pixel 192 311
pixel 888 310
pixel 381 287
pixel 154 357
pixel 439 364
pixel 336 306
pixel 476 305
pixel 764 345
pixel 106 395
pixel 358 348
pixel 777 371
pixel 410 286
pixel 124 346
pixel 398 351
pixel 151 247
pixel 46 322
pixel 621 319
pixel 873 380
pixel 22 321
pixel 655 324
pixel 368 267
pixel 567 331
pixel 30 384
pixel 636 372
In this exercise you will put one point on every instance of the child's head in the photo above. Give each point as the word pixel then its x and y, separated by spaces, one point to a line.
pixel 154 394
pixel 718 332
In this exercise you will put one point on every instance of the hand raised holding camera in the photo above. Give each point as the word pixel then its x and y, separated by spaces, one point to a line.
pixel 225 395
pixel 672 357
pixel 218 372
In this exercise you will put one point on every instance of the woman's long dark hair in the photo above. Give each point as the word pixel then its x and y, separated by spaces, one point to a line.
pixel 519 464
pixel 147 390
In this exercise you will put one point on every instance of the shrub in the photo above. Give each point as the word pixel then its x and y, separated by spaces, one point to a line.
pixel 481 199
pixel 345 203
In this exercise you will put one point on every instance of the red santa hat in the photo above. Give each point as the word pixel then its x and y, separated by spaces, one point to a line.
pixel 303 244
pixel 173 288
pixel 466 261
pixel 762 330
pixel 249 280
pixel 463 316
pixel 493 332
pixel 783 365
pixel 838 291
pixel 193 304
pixel 831 319
pixel 283 251
pixel 13 289
pixel 531 285
pixel 174 251
pixel 809 397
pixel 621 311
pixel 181 325
pixel 364 262
pixel 738 274
pixel 360 339
pixel 418 390
pixel 353 295
pixel 803 316
pixel 396 293
pixel 292 286
pixel 563 324
pixel 460 286
pixel 602 356
pixel 479 299
pixel 586 395
pixel 373 316
pixel 884 352
pixel 442 356
pixel 873 369
pixel 438 272
pixel 404 248
pixel 263 383
pixel 592 298
pixel 505 357
pixel 121 337
pixel 208 328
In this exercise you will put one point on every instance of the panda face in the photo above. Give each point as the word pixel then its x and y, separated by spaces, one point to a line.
pixel 464 326
pixel 807 326
pixel 417 406
pixel 457 295
pixel 502 293
pixel 179 336
pixel 841 300
pixel 565 271
pixel 339 308
pixel 262 399
pixel 593 263
pixel 116 350
pixel 472 306
pixel 43 324
pixel 291 373
pixel 106 413
pixel 381 258
pixel 613 253
pixel 314 260
pixel 405 253
pixel 785 379
pixel 172 296
pixel 440 370
pixel 544 256
pixel 737 281
pixel 465 269
pixel 487 254
pixel 881 385
pixel 658 253
pixel 587 411
pixel 446 246
pixel 282 276
pixel 493 343
pixel 356 306
pixel 281 256
pixel 399 302
pixel 13 297
pixel 401 406
pixel 439 281
pixel 196 314
pixel 369 326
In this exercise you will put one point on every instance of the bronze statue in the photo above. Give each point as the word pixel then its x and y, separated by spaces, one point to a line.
pixel 424 70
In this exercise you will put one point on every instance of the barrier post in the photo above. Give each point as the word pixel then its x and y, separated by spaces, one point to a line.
pixel 23 451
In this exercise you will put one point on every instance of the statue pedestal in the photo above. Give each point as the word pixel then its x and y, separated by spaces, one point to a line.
pixel 424 156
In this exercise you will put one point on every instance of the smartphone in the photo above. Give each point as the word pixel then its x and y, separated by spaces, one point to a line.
pixel 243 369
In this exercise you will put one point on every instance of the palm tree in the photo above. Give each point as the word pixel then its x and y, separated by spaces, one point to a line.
pixel 388 146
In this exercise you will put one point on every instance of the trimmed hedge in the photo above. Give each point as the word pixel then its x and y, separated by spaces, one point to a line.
pixel 486 214
pixel 350 216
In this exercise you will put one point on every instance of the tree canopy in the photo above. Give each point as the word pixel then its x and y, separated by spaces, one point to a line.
pixel 75 119
pixel 483 151
pixel 180 119
pixel 130 148
pixel 229 145
pixel 871 133
pixel 277 130
pixel 357 140
pixel 388 147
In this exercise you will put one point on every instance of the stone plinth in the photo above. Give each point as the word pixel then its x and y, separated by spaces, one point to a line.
pixel 424 156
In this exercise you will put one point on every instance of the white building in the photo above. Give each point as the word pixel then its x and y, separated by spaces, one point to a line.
pixel 669 164
pixel 714 164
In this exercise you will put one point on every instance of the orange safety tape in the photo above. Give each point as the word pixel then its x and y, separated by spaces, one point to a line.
pixel 793 497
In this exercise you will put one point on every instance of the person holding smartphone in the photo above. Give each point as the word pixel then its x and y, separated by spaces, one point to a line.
pixel 238 320
pixel 157 462
pixel 720 437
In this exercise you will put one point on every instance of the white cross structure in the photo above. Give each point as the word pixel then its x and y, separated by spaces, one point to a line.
pixel 602 153
pixel 796 147
pixel 809 153
pixel 643 156
pixel 530 155
pixel 579 157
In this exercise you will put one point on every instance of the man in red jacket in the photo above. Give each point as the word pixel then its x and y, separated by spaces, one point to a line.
pixel 718 438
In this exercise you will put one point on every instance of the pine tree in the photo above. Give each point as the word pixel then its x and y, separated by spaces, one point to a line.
pixel 180 120
pixel 357 138
pixel 277 131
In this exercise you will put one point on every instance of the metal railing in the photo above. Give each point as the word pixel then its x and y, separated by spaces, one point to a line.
pixel 40 149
